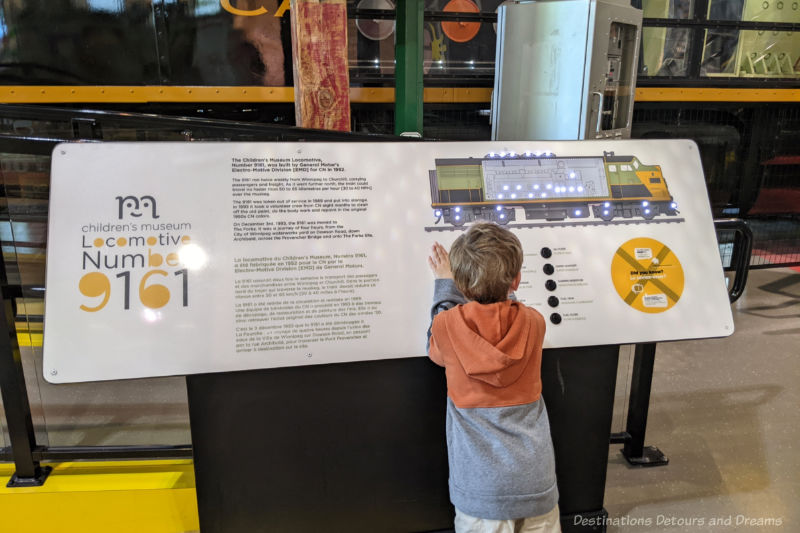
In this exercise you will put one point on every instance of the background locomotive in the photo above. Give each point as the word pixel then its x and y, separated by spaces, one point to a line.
pixel 547 187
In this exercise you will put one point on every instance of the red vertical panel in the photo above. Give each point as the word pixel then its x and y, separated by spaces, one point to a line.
pixel 319 49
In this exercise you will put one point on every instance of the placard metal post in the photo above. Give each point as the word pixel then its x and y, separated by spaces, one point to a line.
pixel 634 450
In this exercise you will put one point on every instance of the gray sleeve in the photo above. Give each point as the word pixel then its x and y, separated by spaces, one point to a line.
pixel 445 296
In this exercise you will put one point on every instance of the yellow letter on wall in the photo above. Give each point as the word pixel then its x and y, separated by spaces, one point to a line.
pixel 226 5
pixel 283 8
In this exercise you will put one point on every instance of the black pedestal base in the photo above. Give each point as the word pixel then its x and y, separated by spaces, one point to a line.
pixel 578 388
pixel 361 447
pixel 651 456
pixel 355 447
pixel 36 481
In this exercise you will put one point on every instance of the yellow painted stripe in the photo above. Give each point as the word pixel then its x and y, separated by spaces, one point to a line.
pixel 685 94
pixel 30 94
pixel 40 94
pixel 89 497
pixel 128 94
pixel 372 95
pixel 29 339
pixel 109 475
pixel 447 95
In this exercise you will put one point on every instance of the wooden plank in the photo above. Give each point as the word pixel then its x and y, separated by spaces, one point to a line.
pixel 319 55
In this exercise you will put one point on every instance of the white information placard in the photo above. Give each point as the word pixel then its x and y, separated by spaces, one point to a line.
pixel 179 258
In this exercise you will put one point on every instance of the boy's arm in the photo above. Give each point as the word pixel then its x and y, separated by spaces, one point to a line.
pixel 445 293
pixel 445 296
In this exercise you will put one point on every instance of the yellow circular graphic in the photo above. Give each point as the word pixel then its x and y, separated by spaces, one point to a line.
pixel 647 275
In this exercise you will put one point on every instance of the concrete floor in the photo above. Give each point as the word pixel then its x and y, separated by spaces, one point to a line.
pixel 724 411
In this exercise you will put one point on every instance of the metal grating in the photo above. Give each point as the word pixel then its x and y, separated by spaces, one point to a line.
pixel 776 242
pixel 372 118
pixel 751 159
pixel 466 122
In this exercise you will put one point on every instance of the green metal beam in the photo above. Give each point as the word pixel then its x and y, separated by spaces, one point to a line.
pixel 408 67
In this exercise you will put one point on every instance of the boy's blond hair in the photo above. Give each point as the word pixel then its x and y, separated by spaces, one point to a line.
pixel 484 261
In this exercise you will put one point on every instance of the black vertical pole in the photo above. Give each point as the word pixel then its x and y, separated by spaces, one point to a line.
pixel 15 401
pixel 15 396
pixel 634 449
pixel 697 41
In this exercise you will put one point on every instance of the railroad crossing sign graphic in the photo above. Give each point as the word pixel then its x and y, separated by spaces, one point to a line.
pixel 647 275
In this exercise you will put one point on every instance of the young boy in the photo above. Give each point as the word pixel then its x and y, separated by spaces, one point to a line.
pixel 502 470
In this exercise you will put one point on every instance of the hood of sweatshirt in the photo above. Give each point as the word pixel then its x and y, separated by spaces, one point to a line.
pixel 491 341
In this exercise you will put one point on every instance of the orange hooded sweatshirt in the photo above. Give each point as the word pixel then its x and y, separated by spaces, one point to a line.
pixel 492 353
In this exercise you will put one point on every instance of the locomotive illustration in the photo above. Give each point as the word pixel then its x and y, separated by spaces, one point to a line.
pixel 547 187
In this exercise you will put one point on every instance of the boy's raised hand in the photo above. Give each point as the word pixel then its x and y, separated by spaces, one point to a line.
pixel 439 261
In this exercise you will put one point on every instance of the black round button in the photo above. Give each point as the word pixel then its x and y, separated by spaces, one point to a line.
pixel 546 252
pixel 552 301
pixel 548 269
pixel 550 285
pixel 555 318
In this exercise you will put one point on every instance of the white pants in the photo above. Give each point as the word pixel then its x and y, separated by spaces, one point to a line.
pixel 546 523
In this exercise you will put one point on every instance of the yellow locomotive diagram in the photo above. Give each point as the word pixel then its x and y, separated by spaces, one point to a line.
pixel 547 187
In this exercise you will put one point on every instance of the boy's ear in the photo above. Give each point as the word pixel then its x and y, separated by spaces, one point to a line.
pixel 515 283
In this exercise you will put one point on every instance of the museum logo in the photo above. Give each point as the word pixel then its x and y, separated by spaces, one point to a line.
pixel 136 207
